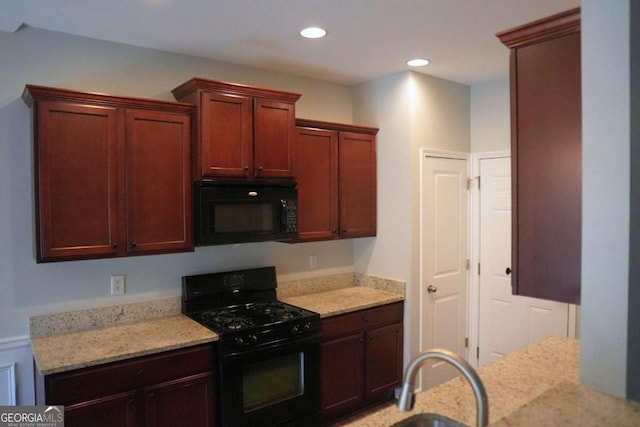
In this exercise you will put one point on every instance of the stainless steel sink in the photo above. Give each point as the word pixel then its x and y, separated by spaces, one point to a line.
pixel 428 420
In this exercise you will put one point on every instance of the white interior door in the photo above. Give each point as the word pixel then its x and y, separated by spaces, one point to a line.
pixel 507 322
pixel 444 272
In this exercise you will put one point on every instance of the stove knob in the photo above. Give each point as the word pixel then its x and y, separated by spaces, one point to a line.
pixel 295 329
pixel 307 326
pixel 239 342
pixel 253 338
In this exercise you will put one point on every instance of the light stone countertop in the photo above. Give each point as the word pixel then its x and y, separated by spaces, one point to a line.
pixel 92 347
pixel 89 337
pixel 537 385
pixel 340 301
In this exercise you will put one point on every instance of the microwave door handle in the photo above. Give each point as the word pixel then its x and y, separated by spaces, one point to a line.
pixel 283 214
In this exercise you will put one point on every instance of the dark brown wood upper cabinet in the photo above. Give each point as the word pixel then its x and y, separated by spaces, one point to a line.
pixel 112 174
pixel 242 132
pixel 546 144
pixel 317 178
pixel 336 176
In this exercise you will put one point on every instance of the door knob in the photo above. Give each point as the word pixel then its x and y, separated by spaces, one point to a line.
pixel 508 271
pixel 432 289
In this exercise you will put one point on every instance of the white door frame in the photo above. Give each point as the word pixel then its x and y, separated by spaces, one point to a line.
pixel 474 277
pixel 424 152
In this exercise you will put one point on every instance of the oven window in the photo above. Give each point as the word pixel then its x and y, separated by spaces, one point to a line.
pixel 241 217
pixel 273 380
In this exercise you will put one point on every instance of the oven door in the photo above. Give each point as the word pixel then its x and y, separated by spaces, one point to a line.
pixel 274 385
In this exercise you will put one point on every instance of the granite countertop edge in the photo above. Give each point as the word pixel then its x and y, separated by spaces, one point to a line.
pixel 59 346
pixel 535 385
pixel 99 346
pixel 342 301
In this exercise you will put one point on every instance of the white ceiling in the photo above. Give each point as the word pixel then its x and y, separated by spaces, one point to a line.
pixel 366 38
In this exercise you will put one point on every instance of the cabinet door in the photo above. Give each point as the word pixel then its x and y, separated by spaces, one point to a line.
pixel 547 170
pixel 342 375
pixel 116 410
pixel 357 163
pixel 274 139
pixel 383 357
pixel 183 402
pixel 158 182
pixel 317 178
pixel 76 151
pixel 226 136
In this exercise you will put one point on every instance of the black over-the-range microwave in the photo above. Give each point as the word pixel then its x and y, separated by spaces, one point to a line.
pixel 239 212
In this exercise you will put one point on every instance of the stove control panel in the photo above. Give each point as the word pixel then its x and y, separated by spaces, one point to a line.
pixel 301 328
pixel 243 340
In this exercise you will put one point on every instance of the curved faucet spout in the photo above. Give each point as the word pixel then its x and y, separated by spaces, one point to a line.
pixel 406 400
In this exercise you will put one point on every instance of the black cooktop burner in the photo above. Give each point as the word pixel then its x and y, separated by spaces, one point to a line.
pixel 241 317
pixel 242 308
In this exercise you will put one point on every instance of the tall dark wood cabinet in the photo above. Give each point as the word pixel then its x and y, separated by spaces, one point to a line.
pixel 361 359
pixel 336 176
pixel 166 389
pixel 546 141
pixel 242 132
pixel 112 174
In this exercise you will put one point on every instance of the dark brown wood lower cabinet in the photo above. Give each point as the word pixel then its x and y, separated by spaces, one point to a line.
pixel 182 402
pixel 342 374
pixel 173 388
pixel 116 410
pixel 361 359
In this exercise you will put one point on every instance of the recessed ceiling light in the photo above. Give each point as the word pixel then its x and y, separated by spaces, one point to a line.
pixel 418 62
pixel 313 32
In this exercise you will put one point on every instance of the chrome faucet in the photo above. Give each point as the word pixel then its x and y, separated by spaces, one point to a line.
pixel 406 400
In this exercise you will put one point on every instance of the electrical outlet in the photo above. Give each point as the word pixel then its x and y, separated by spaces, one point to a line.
pixel 117 284
pixel 313 261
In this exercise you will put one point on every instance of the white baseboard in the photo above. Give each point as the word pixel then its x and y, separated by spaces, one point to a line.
pixel 16 371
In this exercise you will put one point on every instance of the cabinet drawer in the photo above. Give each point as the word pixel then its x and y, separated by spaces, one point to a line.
pixel 361 320
pixel 88 383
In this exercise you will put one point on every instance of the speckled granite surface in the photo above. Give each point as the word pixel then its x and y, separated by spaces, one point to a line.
pixel 570 404
pixel 76 339
pixel 342 301
pixel 339 294
pixel 81 338
pixel 79 320
pixel 91 347
pixel 537 376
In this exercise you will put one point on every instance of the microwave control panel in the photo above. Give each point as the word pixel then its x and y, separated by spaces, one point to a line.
pixel 292 216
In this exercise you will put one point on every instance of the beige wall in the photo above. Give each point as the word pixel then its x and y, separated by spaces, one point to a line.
pixel 490 117
pixel 413 111
pixel 606 198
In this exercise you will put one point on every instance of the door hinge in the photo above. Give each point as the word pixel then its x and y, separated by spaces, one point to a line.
pixel 466 342
pixel 469 183
pixel 478 269
pixel 477 352
pixel 478 178
pixel 468 264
